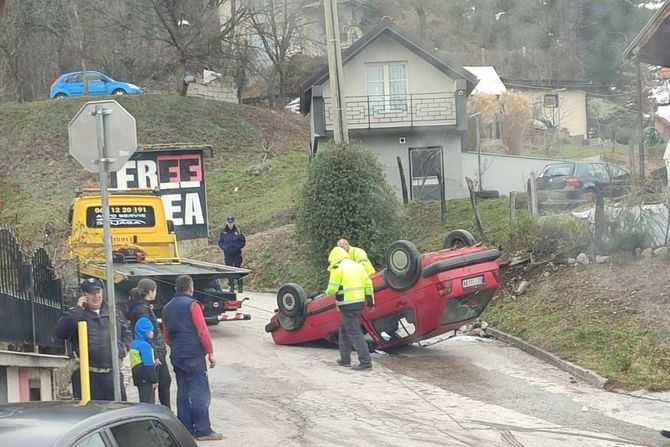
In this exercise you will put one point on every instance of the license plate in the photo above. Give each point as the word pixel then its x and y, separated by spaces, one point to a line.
pixel 473 282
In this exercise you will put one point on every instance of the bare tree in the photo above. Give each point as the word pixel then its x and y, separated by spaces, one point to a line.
pixel 196 30
pixel 277 25
pixel 23 25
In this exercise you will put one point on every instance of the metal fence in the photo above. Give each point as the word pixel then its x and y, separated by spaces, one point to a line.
pixel 410 110
pixel 31 295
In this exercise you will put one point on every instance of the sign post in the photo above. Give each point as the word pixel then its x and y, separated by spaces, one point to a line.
pixel 115 133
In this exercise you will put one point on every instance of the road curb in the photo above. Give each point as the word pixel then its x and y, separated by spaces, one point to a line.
pixel 578 372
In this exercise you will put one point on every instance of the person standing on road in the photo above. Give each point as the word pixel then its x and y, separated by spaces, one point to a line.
pixel 92 309
pixel 358 255
pixel 232 241
pixel 142 361
pixel 140 305
pixel 185 330
pixel 350 279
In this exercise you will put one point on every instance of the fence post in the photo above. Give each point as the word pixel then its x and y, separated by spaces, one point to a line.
pixel 475 207
pixel 533 194
pixel 443 198
pixel 512 216
pixel 403 181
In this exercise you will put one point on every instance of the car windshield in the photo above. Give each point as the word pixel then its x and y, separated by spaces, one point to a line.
pixel 558 169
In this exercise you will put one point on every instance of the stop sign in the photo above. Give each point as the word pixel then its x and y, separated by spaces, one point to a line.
pixel 120 135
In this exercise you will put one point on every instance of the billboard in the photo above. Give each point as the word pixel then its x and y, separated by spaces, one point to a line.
pixel 179 175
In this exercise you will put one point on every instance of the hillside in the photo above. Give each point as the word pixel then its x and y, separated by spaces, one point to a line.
pixel 39 177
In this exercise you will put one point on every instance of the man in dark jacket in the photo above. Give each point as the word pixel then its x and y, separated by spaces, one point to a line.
pixel 231 241
pixel 186 332
pixel 92 309
pixel 140 305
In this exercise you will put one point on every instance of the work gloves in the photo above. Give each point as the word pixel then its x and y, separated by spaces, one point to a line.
pixel 369 301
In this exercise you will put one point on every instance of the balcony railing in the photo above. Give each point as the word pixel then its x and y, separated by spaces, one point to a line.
pixel 373 112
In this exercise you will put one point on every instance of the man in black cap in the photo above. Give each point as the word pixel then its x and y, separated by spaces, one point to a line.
pixel 92 309
pixel 231 241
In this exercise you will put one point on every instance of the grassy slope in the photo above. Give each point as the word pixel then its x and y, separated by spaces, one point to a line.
pixel 42 176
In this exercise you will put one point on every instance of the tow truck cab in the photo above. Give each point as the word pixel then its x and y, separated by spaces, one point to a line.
pixel 144 245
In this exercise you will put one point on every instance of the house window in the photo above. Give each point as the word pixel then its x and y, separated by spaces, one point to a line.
pixel 426 171
pixel 387 86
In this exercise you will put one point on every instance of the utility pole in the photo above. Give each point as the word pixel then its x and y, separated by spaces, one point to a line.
pixel 640 116
pixel 339 106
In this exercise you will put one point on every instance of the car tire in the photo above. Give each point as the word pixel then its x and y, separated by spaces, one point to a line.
pixel 590 194
pixel 119 92
pixel 459 239
pixel 60 96
pixel 290 324
pixel 403 265
pixel 291 300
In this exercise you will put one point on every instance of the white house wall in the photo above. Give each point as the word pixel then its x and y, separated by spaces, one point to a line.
pixel 422 77
pixel 387 147
pixel 504 173
pixel 572 111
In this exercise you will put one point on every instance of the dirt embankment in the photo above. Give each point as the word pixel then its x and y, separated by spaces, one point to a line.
pixel 611 318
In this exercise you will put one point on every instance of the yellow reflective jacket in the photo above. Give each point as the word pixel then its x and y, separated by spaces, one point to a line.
pixel 355 283
pixel 359 255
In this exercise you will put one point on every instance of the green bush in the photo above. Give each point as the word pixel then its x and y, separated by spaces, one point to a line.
pixel 627 232
pixel 347 196
pixel 550 235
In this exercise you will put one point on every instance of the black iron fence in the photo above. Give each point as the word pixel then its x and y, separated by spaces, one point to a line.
pixel 403 110
pixel 31 295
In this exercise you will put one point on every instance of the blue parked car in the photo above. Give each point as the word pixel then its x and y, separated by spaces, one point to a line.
pixel 71 84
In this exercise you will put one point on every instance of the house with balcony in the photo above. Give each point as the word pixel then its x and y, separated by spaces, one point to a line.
pixel 404 101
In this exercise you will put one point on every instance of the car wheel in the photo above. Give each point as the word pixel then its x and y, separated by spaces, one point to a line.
pixel 590 194
pixel 403 265
pixel 290 324
pixel 459 239
pixel 60 96
pixel 291 300
pixel 119 92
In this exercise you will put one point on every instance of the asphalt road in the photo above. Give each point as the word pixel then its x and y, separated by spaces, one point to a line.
pixel 466 391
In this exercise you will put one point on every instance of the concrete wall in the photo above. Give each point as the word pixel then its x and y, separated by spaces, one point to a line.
pixel 386 147
pixel 422 77
pixel 217 91
pixel 22 371
pixel 504 173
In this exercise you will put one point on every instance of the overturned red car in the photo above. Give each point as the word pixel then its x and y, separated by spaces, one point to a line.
pixel 417 296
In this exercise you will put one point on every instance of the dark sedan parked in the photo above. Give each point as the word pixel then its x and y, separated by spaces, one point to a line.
pixel 584 180
pixel 96 424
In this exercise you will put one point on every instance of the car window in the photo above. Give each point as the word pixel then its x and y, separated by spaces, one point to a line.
pixel 616 171
pixel 74 78
pixel 94 440
pixel 587 170
pixel 397 326
pixel 94 77
pixel 601 171
pixel 558 169
pixel 146 433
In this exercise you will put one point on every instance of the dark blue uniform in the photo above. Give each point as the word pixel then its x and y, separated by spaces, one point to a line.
pixel 231 241
pixel 99 348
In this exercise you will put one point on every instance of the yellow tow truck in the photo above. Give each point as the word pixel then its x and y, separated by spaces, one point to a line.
pixel 144 245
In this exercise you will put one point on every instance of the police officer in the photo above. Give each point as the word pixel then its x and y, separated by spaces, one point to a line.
pixel 350 279
pixel 231 241
pixel 92 309
pixel 357 254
